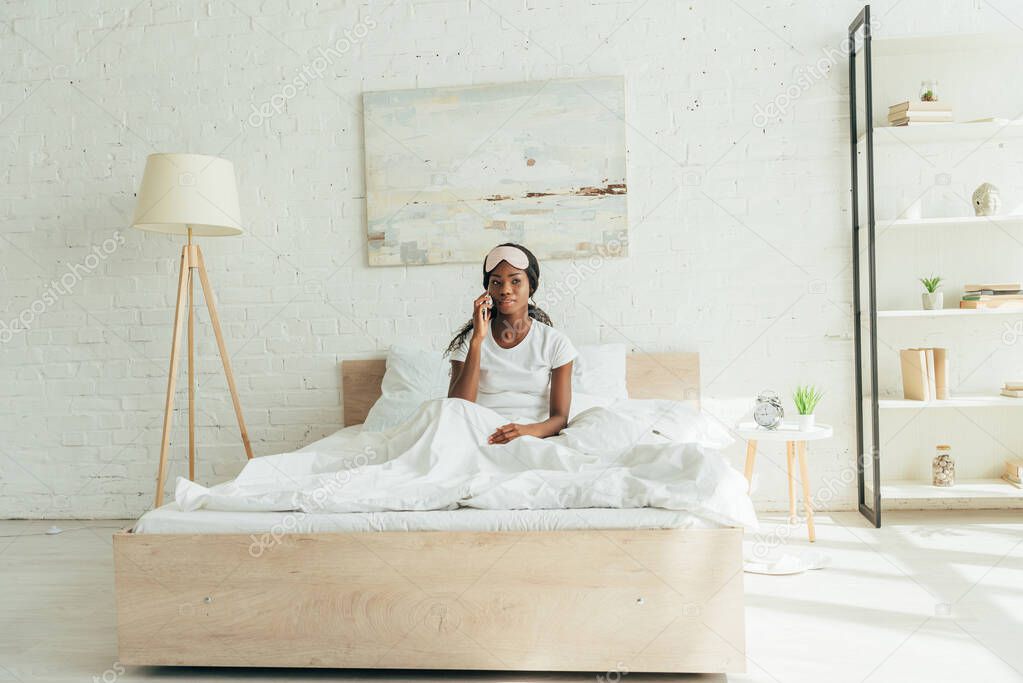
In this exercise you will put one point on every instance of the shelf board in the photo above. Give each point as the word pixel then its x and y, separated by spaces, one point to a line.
pixel 1004 221
pixel 964 488
pixel 978 401
pixel 943 132
pixel 951 312
pixel 943 43
pixel 965 494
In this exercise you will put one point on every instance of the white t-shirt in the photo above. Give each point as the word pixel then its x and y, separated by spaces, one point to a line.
pixel 516 382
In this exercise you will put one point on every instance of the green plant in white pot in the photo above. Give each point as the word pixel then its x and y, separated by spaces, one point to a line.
pixel 933 299
pixel 806 399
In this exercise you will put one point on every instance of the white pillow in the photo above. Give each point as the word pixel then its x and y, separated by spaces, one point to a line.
pixel 600 371
pixel 412 376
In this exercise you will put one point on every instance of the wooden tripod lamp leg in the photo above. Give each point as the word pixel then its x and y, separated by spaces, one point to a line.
pixel 168 409
pixel 191 371
pixel 215 320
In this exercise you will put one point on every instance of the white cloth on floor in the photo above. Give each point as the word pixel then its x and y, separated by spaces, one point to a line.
pixel 788 563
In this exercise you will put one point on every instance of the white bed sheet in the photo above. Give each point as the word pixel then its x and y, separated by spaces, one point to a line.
pixel 440 459
pixel 170 519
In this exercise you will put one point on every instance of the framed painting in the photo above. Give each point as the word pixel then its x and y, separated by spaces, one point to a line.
pixel 453 171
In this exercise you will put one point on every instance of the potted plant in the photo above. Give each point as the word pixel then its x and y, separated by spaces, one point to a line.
pixel 933 299
pixel 806 399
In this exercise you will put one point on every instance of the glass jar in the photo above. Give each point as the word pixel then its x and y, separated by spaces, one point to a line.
pixel 944 467
pixel 928 91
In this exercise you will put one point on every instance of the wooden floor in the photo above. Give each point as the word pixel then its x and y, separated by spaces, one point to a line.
pixel 932 596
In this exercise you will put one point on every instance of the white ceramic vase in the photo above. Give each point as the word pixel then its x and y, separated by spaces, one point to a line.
pixel 933 301
pixel 806 423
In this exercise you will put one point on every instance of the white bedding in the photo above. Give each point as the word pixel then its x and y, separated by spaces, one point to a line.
pixel 439 459
pixel 170 519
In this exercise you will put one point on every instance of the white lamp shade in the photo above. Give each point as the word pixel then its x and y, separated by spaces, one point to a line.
pixel 182 191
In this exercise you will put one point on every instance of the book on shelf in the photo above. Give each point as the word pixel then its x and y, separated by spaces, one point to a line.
pixel 932 383
pixel 1008 287
pixel 915 385
pixel 1012 390
pixel 992 295
pixel 1006 304
pixel 921 116
pixel 925 374
pixel 1014 470
pixel 999 298
pixel 1014 473
pixel 914 121
pixel 914 113
pixel 919 106
pixel 941 372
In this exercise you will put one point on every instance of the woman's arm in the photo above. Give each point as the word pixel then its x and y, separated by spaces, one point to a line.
pixel 465 375
pixel 561 401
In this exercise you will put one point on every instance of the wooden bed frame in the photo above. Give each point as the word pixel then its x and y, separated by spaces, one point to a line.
pixel 645 600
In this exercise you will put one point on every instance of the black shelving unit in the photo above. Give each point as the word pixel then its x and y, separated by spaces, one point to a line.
pixel 868 452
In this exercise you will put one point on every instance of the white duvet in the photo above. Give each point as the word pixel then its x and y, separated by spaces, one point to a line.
pixel 439 459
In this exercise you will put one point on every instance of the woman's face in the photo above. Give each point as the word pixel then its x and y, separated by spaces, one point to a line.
pixel 509 288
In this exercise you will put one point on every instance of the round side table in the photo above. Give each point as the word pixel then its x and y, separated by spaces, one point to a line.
pixel 795 442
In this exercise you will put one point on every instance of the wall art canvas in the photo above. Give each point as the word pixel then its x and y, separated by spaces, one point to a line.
pixel 453 171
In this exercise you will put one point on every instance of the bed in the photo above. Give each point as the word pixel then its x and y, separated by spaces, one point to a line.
pixel 604 590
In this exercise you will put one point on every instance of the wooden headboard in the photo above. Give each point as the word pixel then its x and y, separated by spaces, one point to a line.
pixel 674 376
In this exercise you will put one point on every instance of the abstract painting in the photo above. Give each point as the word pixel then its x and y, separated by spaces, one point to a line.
pixel 451 172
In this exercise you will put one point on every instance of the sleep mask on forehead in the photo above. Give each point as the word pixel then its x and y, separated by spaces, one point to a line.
pixel 512 255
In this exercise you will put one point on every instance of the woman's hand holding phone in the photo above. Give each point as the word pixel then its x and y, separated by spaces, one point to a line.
pixel 481 311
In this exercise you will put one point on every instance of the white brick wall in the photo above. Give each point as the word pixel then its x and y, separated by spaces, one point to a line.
pixel 739 233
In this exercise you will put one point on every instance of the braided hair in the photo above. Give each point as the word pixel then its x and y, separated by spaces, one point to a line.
pixel 534 311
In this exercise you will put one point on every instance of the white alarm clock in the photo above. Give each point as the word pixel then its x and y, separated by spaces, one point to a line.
pixel 768 412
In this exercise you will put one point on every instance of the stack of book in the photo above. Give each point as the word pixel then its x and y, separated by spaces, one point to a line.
pixel 1013 389
pixel 1014 473
pixel 924 374
pixel 993 295
pixel 905 113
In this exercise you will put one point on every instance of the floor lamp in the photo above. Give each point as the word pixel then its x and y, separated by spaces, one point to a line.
pixel 193 195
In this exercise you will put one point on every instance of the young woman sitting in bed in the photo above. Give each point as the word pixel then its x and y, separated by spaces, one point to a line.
pixel 511 377
pixel 514 361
